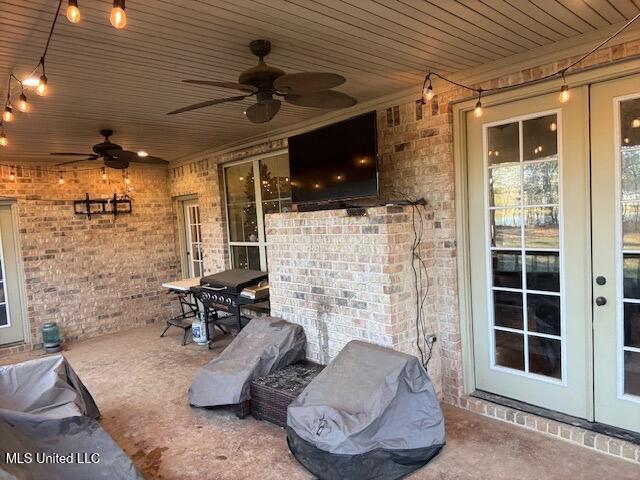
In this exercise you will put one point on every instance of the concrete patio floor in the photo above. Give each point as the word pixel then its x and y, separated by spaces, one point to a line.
pixel 140 382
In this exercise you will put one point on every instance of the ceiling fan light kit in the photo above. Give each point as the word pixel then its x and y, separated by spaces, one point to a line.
pixel 264 82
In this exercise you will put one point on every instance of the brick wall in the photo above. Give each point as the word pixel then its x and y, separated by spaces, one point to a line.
pixel 93 276
pixel 344 277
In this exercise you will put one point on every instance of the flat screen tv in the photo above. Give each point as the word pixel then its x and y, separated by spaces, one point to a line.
pixel 335 163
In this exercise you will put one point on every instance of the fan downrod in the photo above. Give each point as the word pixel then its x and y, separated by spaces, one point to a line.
pixel 260 48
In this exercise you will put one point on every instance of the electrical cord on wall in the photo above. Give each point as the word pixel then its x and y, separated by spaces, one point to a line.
pixel 420 276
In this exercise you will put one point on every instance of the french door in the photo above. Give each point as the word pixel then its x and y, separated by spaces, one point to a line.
pixel 193 238
pixel 554 209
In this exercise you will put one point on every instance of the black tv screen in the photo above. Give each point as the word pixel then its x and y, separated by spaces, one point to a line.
pixel 337 162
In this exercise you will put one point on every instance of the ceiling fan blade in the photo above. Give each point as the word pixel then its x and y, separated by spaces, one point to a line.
pixel 324 99
pixel 307 82
pixel 208 103
pixel 263 112
pixel 66 154
pixel 235 86
pixel 92 157
pixel 149 160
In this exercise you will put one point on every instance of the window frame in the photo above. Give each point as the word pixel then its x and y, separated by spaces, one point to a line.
pixel 262 241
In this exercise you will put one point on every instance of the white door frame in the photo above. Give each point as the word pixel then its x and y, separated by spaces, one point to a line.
pixel 460 108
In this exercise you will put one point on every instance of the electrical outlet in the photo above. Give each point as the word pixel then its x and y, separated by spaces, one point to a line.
pixel 431 339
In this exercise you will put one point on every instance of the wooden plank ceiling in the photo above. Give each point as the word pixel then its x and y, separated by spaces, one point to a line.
pixel 128 79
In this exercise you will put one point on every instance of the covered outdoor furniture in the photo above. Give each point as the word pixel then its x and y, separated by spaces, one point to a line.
pixel 48 426
pixel 371 413
pixel 264 345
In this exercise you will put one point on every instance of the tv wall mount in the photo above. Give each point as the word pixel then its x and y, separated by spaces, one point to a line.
pixel 102 206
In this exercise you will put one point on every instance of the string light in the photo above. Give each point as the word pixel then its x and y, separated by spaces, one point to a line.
pixel 477 111
pixel 635 123
pixel 73 12
pixel 427 90
pixel 104 174
pixel 7 115
pixel 126 177
pixel 553 127
pixel 565 94
pixel 12 176
pixel 42 86
pixel 118 17
pixel 23 104
pixel 61 179
pixel 3 138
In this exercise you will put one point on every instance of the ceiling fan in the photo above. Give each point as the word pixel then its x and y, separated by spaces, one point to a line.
pixel 305 89
pixel 113 155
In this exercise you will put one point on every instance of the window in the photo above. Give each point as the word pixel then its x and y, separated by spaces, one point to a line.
pixel 253 188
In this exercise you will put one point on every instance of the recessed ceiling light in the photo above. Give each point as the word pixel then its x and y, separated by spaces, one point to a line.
pixel 31 82
pixel 142 153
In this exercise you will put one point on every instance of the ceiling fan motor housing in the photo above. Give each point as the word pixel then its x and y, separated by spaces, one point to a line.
pixel 262 75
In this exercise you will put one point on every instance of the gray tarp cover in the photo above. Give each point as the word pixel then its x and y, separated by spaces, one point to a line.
pixel 266 344
pixel 45 409
pixel 369 400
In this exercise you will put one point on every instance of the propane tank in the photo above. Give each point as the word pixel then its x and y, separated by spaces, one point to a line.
pixel 198 327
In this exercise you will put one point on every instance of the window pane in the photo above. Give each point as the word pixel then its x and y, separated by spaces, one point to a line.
pixel 632 373
pixel 541 183
pixel 631 226
pixel 503 144
pixel 539 138
pixel 509 349
pixel 2 299
pixel 3 315
pixel 505 228
pixel 243 223
pixel 244 257
pixel 507 308
pixel 239 183
pixel 543 271
pixel 630 123
pixel 631 173
pixel 274 177
pixel 545 356
pixel 632 325
pixel 543 313
pixel 631 273
pixel 541 227
pixel 504 186
pixel 507 269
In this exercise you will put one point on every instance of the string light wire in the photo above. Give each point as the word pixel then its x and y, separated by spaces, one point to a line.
pixel 558 73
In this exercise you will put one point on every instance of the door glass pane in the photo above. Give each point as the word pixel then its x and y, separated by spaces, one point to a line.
pixel 632 373
pixel 507 269
pixel 543 271
pixel 631 226
pixel 503 144
pixel 541 227
pixel 631 325
pixel 504 186
pixel 509 349
pixel 631 274
pixel 524 223
pixel 508 309
pixel 543 313
pixel 545 356
pixel 539 138
pixel 3 315
pixel 505 228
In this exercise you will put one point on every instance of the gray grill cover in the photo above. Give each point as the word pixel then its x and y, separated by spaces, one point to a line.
pixel 45 409
pixel 266 344
pixel 372 413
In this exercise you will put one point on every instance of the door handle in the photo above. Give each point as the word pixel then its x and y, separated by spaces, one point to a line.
pixel 600 301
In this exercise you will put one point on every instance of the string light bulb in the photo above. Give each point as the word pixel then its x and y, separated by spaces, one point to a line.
pixel 553 127
pixel 23 104
pixel 427 90
pixel 104 174
pixel 635 123
pixel 42 87
pixel 61 179
pixel 12 175
pixel 73 12
pixel 3 139
pixel 7 115
pixel 126 177
pixel 477 111
pixel 118 17
pixel 565 94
